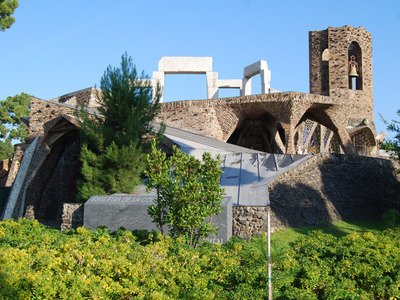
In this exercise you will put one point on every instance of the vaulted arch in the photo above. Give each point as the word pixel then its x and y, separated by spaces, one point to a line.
pixel 54 180
pixel 264 133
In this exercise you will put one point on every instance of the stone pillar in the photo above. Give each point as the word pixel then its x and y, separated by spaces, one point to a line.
pixel 346 143
pixel 72 216
pixel 289 139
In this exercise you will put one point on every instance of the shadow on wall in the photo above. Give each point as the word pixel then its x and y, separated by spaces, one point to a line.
pixel 300 205
pixel 335 187
pixel 360 188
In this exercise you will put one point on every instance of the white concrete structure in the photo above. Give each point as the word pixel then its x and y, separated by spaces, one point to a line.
pixel 203 65
pixel 228 84
pixel 185 65
pixel 260 67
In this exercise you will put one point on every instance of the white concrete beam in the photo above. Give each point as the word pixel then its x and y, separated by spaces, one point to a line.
pixel 255 68
pixel 185 65
pixel 229 83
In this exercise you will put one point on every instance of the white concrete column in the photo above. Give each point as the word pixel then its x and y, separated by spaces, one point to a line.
pixel 212 88
pixel 259 67
pixel 265 81
pixel 246 87
pixel 158 78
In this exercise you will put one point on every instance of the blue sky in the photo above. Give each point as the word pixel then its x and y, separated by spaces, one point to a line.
pixel 57 47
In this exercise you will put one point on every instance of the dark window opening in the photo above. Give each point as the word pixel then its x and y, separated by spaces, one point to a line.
pixel 355 68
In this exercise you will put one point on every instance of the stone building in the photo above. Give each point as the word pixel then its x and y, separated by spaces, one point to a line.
pixel 336 117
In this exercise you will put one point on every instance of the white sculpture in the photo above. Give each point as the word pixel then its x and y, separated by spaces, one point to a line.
pixel 203 65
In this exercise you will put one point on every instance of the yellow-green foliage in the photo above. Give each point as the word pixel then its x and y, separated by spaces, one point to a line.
pixel 37 262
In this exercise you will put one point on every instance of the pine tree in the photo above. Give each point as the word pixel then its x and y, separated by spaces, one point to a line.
pixel 7 8
pixel 114 142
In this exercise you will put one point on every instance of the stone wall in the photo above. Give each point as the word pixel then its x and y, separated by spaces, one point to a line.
pixel 55 182
pixel 72 216
pixel 19 150
pixel 43 111
pixel 325 189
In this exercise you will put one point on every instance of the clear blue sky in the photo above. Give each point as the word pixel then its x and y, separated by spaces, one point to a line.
pixel 57 47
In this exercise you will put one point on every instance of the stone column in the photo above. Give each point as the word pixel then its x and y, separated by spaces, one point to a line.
pixel 345 142
pixel 290 132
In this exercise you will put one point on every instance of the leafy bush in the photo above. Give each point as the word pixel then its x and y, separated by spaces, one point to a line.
pixel 188 193
pixel 355 266
pixel 42 263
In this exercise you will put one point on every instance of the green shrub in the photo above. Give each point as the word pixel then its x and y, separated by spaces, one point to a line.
pixel 41 263
pixel 188 193
pixel 391 218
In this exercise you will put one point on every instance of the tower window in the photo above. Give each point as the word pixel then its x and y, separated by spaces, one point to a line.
pixel 355 67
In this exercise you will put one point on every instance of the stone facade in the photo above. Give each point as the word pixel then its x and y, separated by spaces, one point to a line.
pixel 55 165
pixel 279 115
pixel 42 112
pixel 340 120
pixel 326 188
pixel 19 150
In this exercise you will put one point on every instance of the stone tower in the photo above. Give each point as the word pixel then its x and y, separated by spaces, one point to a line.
pixel 331 51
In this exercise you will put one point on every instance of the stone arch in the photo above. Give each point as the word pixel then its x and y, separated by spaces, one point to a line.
pixel 264 133
pixel 317 132
pixel 54 181
pixel 364 141
pixel 313 137
pixel 355 52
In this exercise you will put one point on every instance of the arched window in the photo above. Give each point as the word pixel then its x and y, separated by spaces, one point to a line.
pixel 355 66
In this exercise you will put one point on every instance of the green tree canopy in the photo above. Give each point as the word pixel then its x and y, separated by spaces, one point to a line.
pixel 7 8
pixel 114 141
pixel 188 193
pixel 12 110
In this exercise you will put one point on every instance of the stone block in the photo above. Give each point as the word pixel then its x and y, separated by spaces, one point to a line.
pixel 130 212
